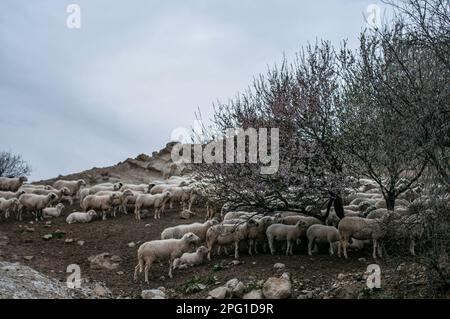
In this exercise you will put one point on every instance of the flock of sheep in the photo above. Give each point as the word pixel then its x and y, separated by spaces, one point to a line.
pixel 366 219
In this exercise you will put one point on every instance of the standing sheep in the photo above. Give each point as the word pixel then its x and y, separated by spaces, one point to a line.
pixel 11 184
pixel 102 203
pixel 35 204
pixel 322 234
pixel 281 232
pixel 9 195
pixel 9 205
pixel 199 229
pixel 157 201
pixel 159 250
pixel 73 186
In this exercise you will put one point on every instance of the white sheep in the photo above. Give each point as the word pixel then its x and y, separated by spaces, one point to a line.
pixel 191 259
pixel 322 234
pixel 35 203
pixel 81 217
pixel 159 250
pixel 137 188
pixel 182 195
pixel 73 186
pixel 178 231
pixel 53 211
pixel 257 234
pixel 282 232
pixel 156 201
pixel 362 229
pixel 8 184
pixel 9 205
pixel 9 195
pixel 223 235
pixel 119 203
pixel 60 193
pixel 102 203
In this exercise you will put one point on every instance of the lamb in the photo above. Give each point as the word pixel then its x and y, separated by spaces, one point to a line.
pixel 223 235
pixel 159 250
pixel 322 234
pixel 102 203
pixel 199 229
pixel 289 233
pixel 35 203
pixel 9 205
pixel 53 211
pixel 73 186
pixel 8 184
pixel 191 259
pixel 9 195
pixel 81 217
pixel 157 201
pixel 362 229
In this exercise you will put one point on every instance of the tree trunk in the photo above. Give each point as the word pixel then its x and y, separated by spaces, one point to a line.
pixel 390 201
pixel 339 206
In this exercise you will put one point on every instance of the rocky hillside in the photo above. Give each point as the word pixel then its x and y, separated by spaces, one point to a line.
pixel 141 169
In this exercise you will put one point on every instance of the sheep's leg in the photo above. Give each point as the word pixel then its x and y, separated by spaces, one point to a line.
pixel 310 246
pixel 412 245
pixel 156 214
pixel 250 244
pixel 374 253
pixel 136 269
pixel 380 250
pixel 288 246
pixel 137 213
pixel 225 249
pixel 236 249
pixel 272 250
pixel 170 268
pixel 331 249
pixel 146 268
pixel 104 215
pixel 344 246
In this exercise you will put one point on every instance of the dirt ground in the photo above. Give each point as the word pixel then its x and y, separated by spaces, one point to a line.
pixel 52 257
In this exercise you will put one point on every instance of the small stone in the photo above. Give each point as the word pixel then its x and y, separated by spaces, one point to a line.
pixel 254 294
pixel 120 272
pixel 131 245
pixel 47 237
pixel 278 287
pixel 153 294
pixel 80 243
pixel 201 286
pixel 341 276
pixel 100 291
pixel 219 293
pixel 162 278
pixel 362 259
pixel 148 225
pixel 68 241
pixel 236 262
pixel 29 229
pixel 279 266
pixel 28 257
pixel 116 258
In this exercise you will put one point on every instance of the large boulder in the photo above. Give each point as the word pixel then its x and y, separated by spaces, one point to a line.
pixel 278 287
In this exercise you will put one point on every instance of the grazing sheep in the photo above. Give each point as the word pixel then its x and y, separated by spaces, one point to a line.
pixel 322 234
pixel 362 229
pixel 9 195
pixel 282 232
pixel 157 201
pixel 9 205
pixel 73 186
pixel 102 203
pixel 81 217
pixel 199 229
pixel 53 211
pixel 222 235
pixel 159 250
pixel 191 259
pixel 35 204
pixel 11 184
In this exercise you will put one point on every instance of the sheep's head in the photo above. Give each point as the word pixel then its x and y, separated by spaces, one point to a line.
pixel 127 193
pixel 65 191
pixel 191 238
pixel 52 196
pixel 20 193
pixel 202 250
pixel 81 182
pixel 166 195
pixel 113 196
pixel 15 202
pixel 47 187
pixel 60 207
pixel 91 213
pixel 23 179
pixel 117 186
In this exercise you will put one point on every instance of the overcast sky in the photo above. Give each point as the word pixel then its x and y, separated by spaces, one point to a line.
pixel 72 99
